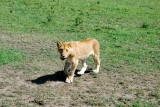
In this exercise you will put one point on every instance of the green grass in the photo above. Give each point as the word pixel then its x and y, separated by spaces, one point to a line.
pixel 128 31
pixel 138 103
pixel 129 36
pixel 11 55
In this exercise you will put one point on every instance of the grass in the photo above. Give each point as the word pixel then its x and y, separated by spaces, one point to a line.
pixel 3 84
pixel 129 36
pixel 139 103
pixel 120 26
pixel 10 55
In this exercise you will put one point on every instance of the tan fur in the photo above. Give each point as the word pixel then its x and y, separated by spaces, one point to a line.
pixel 78 50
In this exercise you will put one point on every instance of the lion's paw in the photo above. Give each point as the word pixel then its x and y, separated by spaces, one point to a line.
pixel 69 80
pixel 80 73
pixel 95 71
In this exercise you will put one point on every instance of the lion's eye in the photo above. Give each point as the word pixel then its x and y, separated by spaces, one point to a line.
pixel 66 49
pixel 61 50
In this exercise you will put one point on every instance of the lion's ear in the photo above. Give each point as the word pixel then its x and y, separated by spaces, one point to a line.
pixel 70 45
pixel 59 43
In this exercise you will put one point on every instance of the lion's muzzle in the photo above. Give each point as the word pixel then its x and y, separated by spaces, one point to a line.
pixel 63 58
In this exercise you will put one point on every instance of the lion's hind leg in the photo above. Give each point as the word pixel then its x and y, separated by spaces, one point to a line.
pixel 96 57
pixel 97 61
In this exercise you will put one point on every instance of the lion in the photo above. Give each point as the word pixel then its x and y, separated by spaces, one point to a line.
pixel 74 51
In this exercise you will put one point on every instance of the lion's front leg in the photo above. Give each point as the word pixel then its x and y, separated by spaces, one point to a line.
pixel 69 79
pixel 67 67
pixel 83 68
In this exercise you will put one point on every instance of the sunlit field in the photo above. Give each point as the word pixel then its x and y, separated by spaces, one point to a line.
pixel 31 72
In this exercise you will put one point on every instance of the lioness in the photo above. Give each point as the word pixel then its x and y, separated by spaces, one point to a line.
pixel 74 51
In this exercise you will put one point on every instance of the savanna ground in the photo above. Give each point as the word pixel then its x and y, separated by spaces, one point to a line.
pixel 31 72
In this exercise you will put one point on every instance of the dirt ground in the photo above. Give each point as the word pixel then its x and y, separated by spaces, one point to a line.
pixel 39 81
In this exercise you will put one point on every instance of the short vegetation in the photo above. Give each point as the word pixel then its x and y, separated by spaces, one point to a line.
pixel 129 36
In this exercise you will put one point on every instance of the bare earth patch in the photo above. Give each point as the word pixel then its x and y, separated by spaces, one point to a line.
pixel 39 81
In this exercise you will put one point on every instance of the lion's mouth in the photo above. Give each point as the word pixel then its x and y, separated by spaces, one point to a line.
pixel 63 58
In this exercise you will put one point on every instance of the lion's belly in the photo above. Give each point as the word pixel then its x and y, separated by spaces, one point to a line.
pixel 85 55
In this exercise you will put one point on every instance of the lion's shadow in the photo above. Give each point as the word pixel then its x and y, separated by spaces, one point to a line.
pixel 58 76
